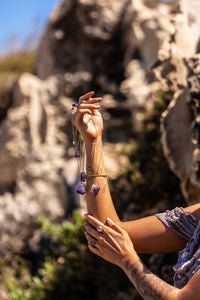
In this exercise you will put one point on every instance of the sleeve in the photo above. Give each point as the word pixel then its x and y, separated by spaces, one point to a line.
pixel 180 221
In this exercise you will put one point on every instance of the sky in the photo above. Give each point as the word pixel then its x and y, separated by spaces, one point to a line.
pixel 22 21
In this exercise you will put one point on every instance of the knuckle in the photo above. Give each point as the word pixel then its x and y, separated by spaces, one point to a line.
pixel 101 239
pixel 105 233
pixel 123 233
pixel 88 228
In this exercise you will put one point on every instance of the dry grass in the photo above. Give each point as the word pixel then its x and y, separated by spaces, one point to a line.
pixel 12 66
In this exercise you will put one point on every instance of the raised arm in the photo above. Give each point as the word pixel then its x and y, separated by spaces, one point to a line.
pixel 88 121
pixel 149 235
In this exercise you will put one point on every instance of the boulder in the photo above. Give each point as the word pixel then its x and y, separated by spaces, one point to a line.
pixel 179 72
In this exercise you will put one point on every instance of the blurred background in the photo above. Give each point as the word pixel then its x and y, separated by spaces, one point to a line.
pixel 142 57
pixel 22 24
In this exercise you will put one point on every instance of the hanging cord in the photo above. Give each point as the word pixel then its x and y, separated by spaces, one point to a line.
pixel 80 154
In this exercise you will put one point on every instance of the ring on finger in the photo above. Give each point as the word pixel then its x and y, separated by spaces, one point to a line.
pixel 93 243
pixel 100 228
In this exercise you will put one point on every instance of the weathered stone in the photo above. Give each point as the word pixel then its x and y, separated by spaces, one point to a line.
pixel 176 135
pixel 179 72
pixel 107 46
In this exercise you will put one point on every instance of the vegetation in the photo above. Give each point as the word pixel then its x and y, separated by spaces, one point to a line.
pixel 156 182
pixel 148 181
pixel 69 270
pixel 12 66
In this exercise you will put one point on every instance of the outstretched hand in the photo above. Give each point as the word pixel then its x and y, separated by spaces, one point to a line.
pixel 109 241
pixel 87 118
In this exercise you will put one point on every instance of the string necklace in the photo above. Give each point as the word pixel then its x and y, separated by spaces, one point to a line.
pixel 80 154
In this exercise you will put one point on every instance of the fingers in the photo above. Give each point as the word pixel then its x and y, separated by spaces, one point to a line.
pixel 97 229
pixel 90 239
pixel 105 241
pixel 87 107
pixel 95 245
pixel 86 96
pixel 98 243
pixel 94 232
pixel 91 100
pixel 87 99
pixel 114 226
pixel 93 221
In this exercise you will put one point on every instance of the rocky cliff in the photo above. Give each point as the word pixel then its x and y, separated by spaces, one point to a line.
pixel 124 50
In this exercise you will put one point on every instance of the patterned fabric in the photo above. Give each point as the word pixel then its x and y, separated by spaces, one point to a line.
pixel 187 226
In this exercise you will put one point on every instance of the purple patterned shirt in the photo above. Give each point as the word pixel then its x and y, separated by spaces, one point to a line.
pixel 187 226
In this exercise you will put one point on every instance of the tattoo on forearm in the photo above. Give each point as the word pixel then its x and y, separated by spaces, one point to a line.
pixel 104 186
pixel 148 284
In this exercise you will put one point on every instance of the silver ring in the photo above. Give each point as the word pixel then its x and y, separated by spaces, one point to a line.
pixel 93 243
pixel 100 228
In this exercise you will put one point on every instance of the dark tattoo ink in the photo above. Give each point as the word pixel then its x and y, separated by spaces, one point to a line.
pixel 104 186
pixel 147 284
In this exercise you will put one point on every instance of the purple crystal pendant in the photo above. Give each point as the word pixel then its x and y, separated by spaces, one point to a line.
pixel 82 176
pixel 94 189
pixel 74 109
pixel 80 188
pixel 77 153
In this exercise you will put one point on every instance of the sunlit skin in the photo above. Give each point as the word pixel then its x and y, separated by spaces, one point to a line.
pixel 116 241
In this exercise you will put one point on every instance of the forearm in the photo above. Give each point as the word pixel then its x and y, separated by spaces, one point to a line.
pixel 147 284
pixel 101 205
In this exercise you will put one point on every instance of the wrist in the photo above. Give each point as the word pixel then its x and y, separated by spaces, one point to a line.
pixel 91 144
pixel 130 260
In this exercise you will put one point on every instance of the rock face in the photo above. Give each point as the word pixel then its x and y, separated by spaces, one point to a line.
pixel 180 131
pixel 101 37
pixel 125 51
pixel 33 156
pixel 180 124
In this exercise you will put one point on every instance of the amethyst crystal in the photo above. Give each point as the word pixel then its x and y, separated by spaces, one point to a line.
pixel 80 188
pixel 82 176
pixel 77 154
pixel 74 109
pixel 95 189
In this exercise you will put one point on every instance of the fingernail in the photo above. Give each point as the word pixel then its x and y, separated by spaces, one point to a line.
pixel 97 106
pixel 85 215
pixel 85 223
pixel 109 221
pixel 92 243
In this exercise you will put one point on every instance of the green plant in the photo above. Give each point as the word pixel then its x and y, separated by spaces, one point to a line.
pixel 69 270
pixel 13 65
pixel 17 293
